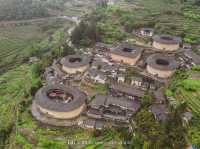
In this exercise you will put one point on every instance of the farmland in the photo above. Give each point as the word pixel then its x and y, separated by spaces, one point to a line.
pixel 186 88
pixel 16 43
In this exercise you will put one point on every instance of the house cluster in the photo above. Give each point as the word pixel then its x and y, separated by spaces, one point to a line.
pixel 129 70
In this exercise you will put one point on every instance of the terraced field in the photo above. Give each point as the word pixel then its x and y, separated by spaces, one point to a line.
pixel 16 44
pixel 191 98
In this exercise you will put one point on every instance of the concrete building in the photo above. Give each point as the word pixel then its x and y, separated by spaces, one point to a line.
pixel 73 64
pixel 126 53
pixel 161 65
pixel 60 102
pixel 166 42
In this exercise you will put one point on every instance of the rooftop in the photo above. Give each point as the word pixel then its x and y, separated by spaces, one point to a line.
pixel 162 62
pixel 124 103
pixel 167 39
pixel 74 61
pixel 129 90
pixel 43 100
pixel 193 56
pixel 127 50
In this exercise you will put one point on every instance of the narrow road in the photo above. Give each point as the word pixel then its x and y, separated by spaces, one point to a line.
pixel 38 20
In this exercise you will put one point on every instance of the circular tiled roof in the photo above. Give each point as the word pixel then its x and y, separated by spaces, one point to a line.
pixel 162 62
pixel 75 61
pixel 42 99
pixel 127 50
pixel 167 39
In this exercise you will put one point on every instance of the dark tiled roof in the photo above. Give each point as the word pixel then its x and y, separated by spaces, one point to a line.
pixel 106 101
pixel 167 39
pixel 129 90
pixel 134 52
pixel 147 29
pixel 159 110
pixel 84 60
pixel 123 102
pixel 152 61
pixel 79 98
pixel 98 101
pixel 193 56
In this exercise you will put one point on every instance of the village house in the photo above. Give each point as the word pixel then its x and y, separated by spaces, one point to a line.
pixel 147 32
pixel 120 78
pixel 136 81
pixel 159 111
pixel 112 108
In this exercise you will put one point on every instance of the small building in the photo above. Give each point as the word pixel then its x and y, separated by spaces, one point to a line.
pixel 120 78
pixel 187 46
pixel 147 32
pixel 136 81
pixel 187 116
pixel 92 124
pixel 33 59
pixel 101 78
pixel 159 111
pixel 97 76
pixel 195 58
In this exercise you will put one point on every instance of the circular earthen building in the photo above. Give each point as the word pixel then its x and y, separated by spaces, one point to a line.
pixel 166 42
pixel 59 102
pixel 127 54
pixel 75 63
pixel 161 65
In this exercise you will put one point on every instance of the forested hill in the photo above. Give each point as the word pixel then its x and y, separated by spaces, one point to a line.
pixel 28 9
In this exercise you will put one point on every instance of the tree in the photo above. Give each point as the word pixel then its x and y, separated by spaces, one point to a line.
pixel 151 131
pixel 176 133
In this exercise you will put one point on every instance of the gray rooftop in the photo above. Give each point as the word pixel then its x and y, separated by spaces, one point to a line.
pixel 162 62
pixel 127 50
pixel 193 56
pixel 79 98
pixel 122 102
pixel 167 39
pixel 159 110
pixel 129 90
pixel 74 61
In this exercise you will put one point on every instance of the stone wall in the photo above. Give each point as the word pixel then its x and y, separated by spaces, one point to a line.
pixel 75 70
pixel 160 73
pixel 165 47
pixel 123 59
pixel 63 115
